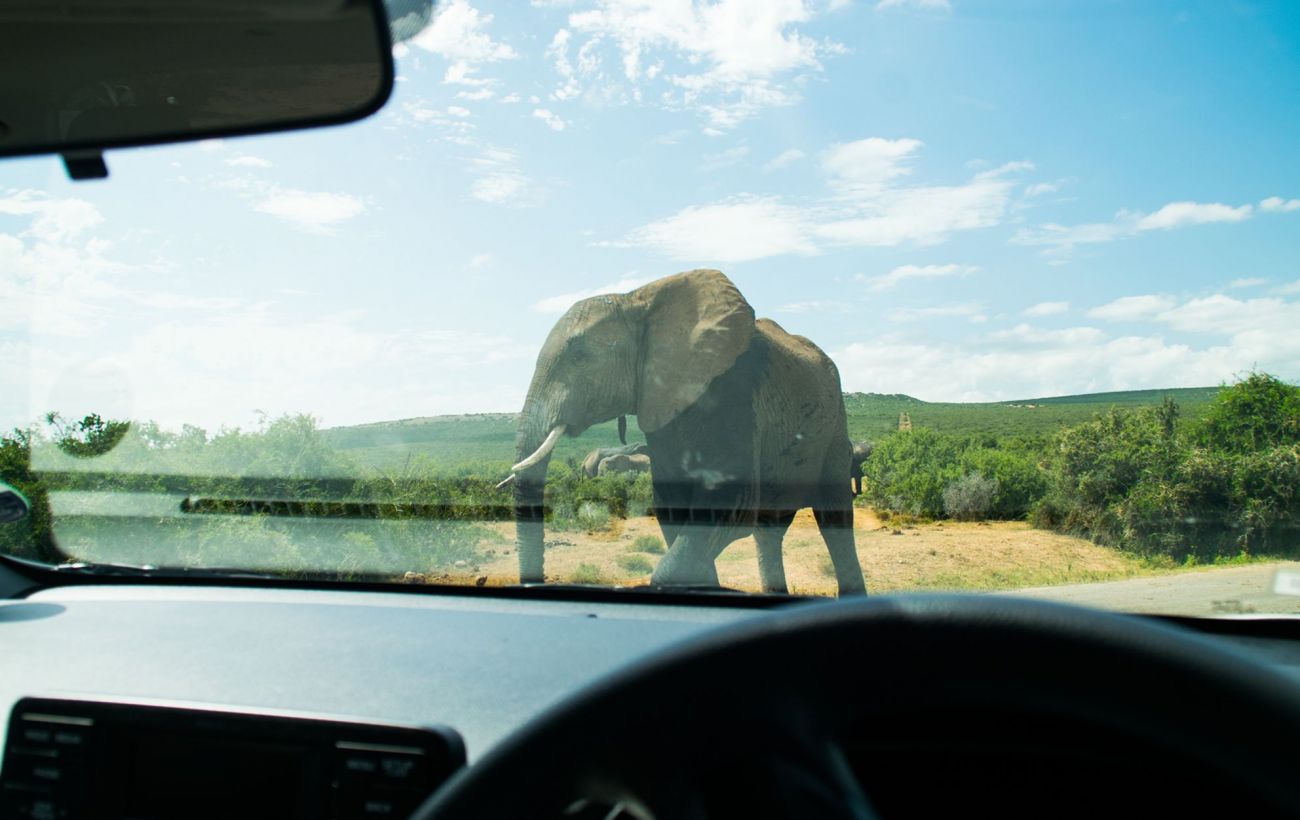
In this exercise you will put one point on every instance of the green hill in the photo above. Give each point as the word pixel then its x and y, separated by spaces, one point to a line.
pixel 460 441
pixel 871 415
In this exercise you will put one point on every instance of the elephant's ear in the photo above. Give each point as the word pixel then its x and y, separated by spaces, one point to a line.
pixel 697 325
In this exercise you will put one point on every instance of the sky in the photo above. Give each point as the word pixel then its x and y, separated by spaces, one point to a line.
pixel 957 200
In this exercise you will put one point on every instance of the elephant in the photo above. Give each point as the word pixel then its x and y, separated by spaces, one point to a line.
pixel 591 464
pixel 744 425
pixel 861 451
pixel 624 464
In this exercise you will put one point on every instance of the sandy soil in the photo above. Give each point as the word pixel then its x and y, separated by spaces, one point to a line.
pixel 943 555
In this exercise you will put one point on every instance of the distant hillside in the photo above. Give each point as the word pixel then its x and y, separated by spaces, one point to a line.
pixel 873 414
pixel 1182 395
pixel 490 437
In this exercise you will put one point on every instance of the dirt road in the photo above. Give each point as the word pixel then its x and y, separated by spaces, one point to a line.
pixel 1210 591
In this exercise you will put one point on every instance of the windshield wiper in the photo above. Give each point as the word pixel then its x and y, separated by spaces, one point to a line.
pixel 644 589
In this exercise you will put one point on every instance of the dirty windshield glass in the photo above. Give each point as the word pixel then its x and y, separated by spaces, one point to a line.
pixel 822 297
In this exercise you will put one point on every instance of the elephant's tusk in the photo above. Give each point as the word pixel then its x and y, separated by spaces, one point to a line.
pixel 541 452
pixel 509 479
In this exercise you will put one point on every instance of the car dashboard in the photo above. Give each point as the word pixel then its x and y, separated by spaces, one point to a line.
pixel 477 667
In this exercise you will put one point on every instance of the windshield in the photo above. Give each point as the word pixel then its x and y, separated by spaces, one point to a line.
pixel 807 297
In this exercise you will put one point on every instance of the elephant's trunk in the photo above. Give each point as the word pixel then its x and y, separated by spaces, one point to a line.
pixel 534 454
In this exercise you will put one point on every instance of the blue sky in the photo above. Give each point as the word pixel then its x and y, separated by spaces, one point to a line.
pixel 957 200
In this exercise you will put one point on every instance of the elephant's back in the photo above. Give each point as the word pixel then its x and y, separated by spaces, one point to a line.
pixel 800 408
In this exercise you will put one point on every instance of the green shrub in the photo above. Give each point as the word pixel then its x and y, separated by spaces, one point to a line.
pixel 1228 486
pixel 970 498
pixel 593 516
pixel 635 563
pixel 587 574
pixel 652 544
pixel 908 473
pixel 1257 413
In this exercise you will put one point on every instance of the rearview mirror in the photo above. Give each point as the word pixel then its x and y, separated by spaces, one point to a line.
pixel 80 77
pixel 14 506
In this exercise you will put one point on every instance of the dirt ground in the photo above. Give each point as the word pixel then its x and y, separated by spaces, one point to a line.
pixel 937 556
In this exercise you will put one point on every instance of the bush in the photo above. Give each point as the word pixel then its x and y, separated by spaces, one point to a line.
pixel 970 498
pixel 1258 413
pixel 909 473
pixel 587 574
pixel 635 563
pixel 1228 486
pixel 652 544
pixel 593 516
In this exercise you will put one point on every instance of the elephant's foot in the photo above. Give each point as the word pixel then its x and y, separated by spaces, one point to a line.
pixel 679 569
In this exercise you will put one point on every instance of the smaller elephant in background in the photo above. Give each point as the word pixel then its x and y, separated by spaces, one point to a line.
pixel 591 464
pixel 620 463
pixel 861 450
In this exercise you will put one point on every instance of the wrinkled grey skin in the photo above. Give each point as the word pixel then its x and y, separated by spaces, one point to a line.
pixel 591 464
pixel 861 451
pixel 620 463
pixel 744 424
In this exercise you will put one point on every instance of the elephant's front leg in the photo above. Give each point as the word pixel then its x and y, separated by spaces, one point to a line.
pixel 689 560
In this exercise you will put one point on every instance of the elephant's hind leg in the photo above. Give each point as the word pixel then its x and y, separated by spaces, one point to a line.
pixel 769 534
pixel 836 525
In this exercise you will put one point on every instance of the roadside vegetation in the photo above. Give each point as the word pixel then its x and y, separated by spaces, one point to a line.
pixel 1185 476
pixel 1148 479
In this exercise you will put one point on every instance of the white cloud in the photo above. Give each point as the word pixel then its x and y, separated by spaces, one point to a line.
pixel 475 96
pixel 870 163
pixel 1277 204
pixel 724 159
pixel 1289 289
pixel 819 306
pixel 457 111
pixel 1025 362
pixel 736 230
pixel 1060 241
pixel 1224 315
pixel 969 310
pixel 553 121
pixel 867 208
pixel 314 211
pixel 903 273
pixel 1040 188
pixel 923 215
pixel 500 181
pixel 56 220
pixel 458 33
pixel 1248 282
pixel 191 355
pixel 1029 335
pixel 1129 308
pixel 783 159
pixel 999 370
pixel 511 98
pixel 480 261
pixel 726 60
pixel 562 302
pixel 937 5
pixel 248 161
pixel 55 274
pixel 1046 309
pixel 1180 214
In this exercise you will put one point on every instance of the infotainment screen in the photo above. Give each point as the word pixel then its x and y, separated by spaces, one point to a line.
pixel 175 775
pixel 130 761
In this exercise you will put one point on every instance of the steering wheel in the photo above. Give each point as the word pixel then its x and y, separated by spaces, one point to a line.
pixel 762 718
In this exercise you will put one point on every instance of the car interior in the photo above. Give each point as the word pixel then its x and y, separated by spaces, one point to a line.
pixel 135 690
